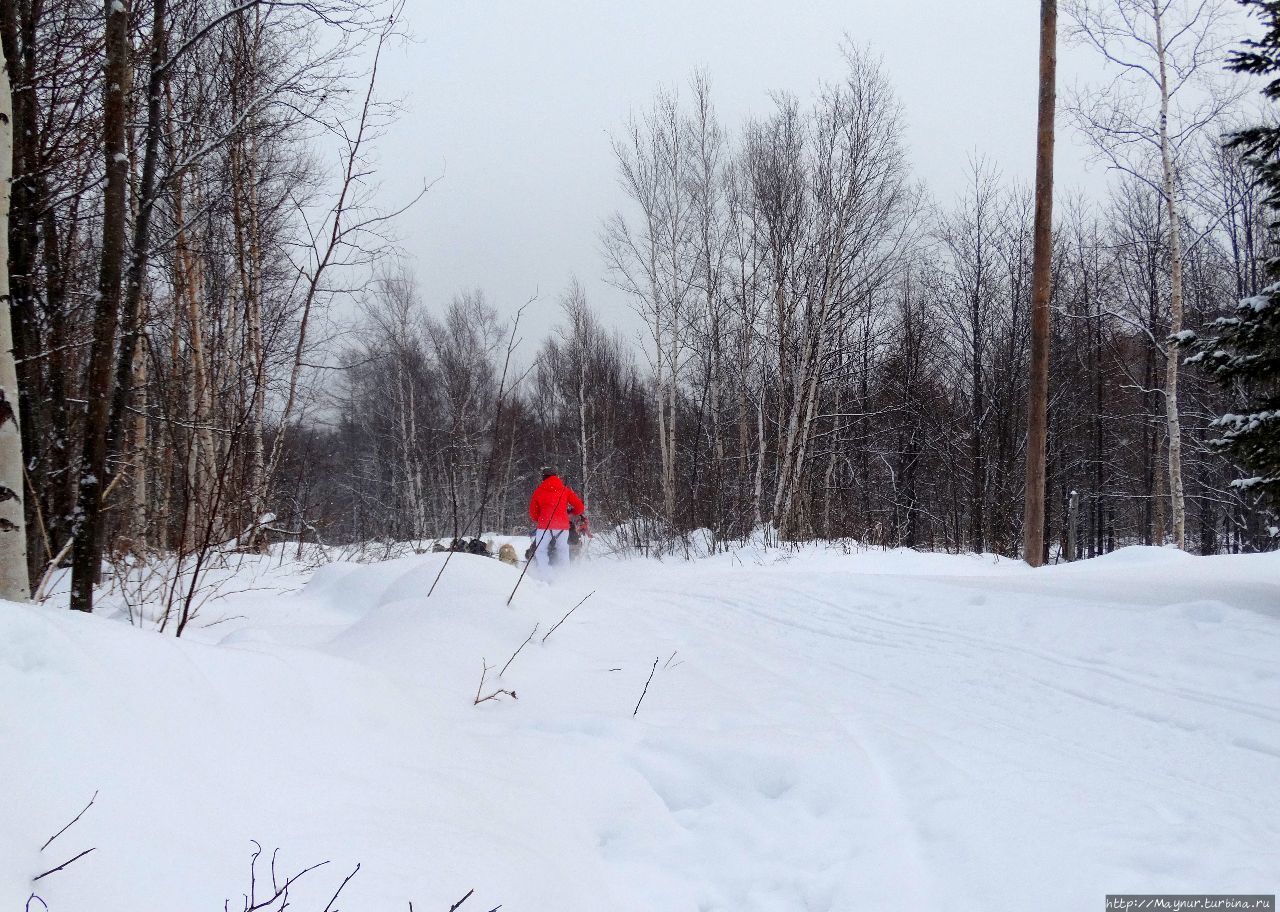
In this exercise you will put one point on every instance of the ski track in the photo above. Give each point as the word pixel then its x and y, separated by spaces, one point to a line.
pixel 1165 707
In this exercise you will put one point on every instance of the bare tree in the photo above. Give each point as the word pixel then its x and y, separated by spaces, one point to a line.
pixel 650 259
pixel 1162 97
pixel 862 216
pixel 971 296
pixel 87 531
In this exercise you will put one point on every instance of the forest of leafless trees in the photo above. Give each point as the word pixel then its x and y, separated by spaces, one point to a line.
pixel 828 351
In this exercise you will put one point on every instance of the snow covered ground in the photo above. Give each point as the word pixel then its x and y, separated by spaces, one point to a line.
pixel 823 731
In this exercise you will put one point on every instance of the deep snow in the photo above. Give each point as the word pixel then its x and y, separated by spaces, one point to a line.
pixel 824 730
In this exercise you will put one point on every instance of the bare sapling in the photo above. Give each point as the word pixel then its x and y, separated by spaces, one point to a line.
pixel 566 615
pixel 517 652
pixel 276 898
pixel 644 692
pixel 66 864
pixel 495 447
pixel 497 693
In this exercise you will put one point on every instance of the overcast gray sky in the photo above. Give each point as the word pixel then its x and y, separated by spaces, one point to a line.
pixel 514 102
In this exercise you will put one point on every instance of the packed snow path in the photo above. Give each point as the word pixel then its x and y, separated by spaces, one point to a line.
pixel 823 731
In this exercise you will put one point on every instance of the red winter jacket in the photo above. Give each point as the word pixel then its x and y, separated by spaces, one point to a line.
pixel 552 502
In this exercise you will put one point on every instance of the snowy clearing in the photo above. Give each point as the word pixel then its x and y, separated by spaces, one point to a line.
pixel 823 731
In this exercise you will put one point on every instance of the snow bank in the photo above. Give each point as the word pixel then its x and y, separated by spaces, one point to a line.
pixel 821 730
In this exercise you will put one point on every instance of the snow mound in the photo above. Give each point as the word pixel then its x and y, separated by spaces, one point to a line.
pixel 1138 556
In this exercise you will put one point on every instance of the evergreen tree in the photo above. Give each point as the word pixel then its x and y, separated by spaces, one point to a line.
pixel 1243 350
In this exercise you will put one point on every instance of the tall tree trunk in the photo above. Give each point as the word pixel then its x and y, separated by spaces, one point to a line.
pixel 1159 494
pixel 1172 352
pixel 15 584
pixel 40 408
pixel 660 401
pixel 189 285
pixel 810 409
pixel 246 165
pixel 86 559
pixel 136 443
pixel 1041 286
pixel 669 482
pixel 744 434
pixel 977 465
pixel 582 427
pixel 1096 548
pixel 757 488
pixel 58 494
pixel 132 332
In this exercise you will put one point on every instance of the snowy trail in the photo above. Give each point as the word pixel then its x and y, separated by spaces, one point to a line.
pixel 932 682
pixel 823 731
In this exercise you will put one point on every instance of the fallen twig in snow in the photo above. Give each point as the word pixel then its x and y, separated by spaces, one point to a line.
pixel 493 696
pixel 71 824
pixel 280 892
pixel 341 887
pixel 455 906
pixel 567 613
pixel 646 686
pixel 517 652
pixel 538 540
pixel 65 864
pixel 70 861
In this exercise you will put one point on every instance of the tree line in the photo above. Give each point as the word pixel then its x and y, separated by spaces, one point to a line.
pixel 174 234
pixel 832 353
pixel 828 350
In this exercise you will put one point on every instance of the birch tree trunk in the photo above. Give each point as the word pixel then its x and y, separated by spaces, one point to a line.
pixel 14 582
pixel 191 292
pixel 744 438
pixel 582 425
pixel 27 193
pixel 1176 49
pixel 124 435
pixel 1172 353
pixel 757 489
pixel 246 158
pixel 136 444
pixel 805 435
pixel 1158 495
pixel 669 481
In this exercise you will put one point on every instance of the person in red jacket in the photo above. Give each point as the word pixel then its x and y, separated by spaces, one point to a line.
pixel 550 507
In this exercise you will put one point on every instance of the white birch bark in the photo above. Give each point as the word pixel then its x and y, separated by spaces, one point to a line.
pixel 14 583
pixel 757 494
pixel 582 423
pixel 138 447
pixel 1172 354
